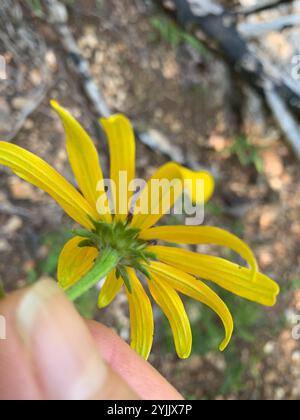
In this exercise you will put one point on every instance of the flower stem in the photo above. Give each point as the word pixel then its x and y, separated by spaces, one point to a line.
pixel 103 265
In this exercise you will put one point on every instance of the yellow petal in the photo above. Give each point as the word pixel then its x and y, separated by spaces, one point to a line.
pixel 110 289
pixel 74 262
pixel 141 317
pixel 197 290
pixel 196 235
pixel 171 304
pixel 227 275
pixel 83 158
pixel 121 140
pixel 156 200
pixel 39 173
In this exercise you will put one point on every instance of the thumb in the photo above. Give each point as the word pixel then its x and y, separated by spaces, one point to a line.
pixel 49 352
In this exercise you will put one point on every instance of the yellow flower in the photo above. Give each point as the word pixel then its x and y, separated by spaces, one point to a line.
pixel 126 244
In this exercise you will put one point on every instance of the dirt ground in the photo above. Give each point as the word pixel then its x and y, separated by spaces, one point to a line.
pixel 191 101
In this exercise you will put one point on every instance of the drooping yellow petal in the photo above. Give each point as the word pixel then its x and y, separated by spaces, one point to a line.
pixel 121 140
pixel 197 290
pixel 227 275
pixel 83 158
pixel 74 262
pixel 39 173
pixel 196 235
pixel 110 289
pixel 141 317
pixel 171 304
pixel 164 189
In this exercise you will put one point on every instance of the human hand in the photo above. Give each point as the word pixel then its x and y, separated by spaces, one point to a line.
pixel 51 353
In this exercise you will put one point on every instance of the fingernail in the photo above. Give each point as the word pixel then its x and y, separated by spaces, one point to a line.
pixel 63 354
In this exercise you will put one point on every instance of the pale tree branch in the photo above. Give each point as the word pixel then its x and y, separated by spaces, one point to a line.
pixel 263 6
pixel 284 118
pixel 255 30
pixel 221 33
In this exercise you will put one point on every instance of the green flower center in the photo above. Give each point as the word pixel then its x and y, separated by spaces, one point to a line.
pixel 124 240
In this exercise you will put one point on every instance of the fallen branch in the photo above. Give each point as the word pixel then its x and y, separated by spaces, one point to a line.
pixel 58 17
pixel 255 30
pixel 218 27
pixel 262 7
pixel 284 118
pixel 156 141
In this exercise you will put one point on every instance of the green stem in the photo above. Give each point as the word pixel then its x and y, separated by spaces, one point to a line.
pixel 104 264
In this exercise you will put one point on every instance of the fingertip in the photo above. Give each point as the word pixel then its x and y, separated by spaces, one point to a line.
pixel 50 352
pixel 139 374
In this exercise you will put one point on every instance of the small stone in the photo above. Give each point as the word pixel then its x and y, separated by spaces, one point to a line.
pixel 58 13
pixel 267 218
pixel 276 184
pixel 295 228
pixel 19 103
pixel 296 300
pixel 29 124
pixel 62 156
pixel 13 225
pixel 289 345
pixel 279 394
pixel 291 316
pixel 158 113
pixel 278 44
pixel 91 41
pixel 273 165
pixel 170 69
pixel 51 60
pixel 176 127
pixel 270 377
pixel 265 258
pixel 4 245
pixel 217 142
pixel 296 357
pixel 21 190
pixel 269 348
pixel 36 77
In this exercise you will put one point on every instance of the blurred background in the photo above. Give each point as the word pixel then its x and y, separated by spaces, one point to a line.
pixel 213 84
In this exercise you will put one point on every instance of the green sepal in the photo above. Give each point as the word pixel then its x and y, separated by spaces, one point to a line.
pixel 86 243
pixel 84 233
pixel 132 233
pixel 125 276
pixel 143 270
pixel 150 256
pixel 122 239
